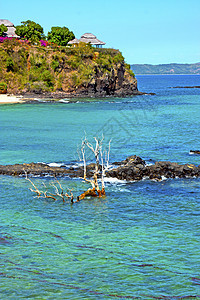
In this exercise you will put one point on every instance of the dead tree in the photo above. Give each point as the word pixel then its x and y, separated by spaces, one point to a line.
pixel 47 194
pixel 104 167
pixel 99 171
pixel 97 188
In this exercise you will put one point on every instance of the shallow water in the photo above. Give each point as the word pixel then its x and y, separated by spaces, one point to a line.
pixel 142 240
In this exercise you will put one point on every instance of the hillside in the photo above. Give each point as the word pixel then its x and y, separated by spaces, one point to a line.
pixel 60 71
pixel 146 69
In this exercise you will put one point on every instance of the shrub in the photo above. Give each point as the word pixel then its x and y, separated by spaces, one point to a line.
pixel 131 73
pixel 38 87
pixel 55 65
pixel 9 64
pixel 75 79
pixel 3 86
pixel 34 74
pixel 3 39
pixel 3 29
pixel 43 43
pixel 47 77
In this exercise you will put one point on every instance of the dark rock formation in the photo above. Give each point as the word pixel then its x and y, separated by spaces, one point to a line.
pixel 194 151
pixel 186 87
pixel 42 170
pixel 133 168
pixel 116 83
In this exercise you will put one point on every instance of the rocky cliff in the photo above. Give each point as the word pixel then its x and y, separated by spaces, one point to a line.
pixel 60 71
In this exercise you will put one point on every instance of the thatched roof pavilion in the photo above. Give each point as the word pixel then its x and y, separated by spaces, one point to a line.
pixel 11 29
pixel 74 41
pixel 88 38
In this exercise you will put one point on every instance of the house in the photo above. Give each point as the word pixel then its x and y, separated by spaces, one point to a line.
pixel 88 38
pixel 11 29
pixel 73 42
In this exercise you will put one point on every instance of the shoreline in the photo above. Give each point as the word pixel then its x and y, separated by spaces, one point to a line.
pixel 10 99
pixel 24 98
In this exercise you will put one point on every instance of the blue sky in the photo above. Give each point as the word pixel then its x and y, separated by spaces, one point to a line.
pixel 146 31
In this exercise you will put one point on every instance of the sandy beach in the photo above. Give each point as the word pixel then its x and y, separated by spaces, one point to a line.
pixel 9 99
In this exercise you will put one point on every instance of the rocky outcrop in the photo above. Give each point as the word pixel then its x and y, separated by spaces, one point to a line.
pixel 134 168
pixel 41 169
pixel 113 83
pixel 131 169
pixel 194 151
pixel 116 83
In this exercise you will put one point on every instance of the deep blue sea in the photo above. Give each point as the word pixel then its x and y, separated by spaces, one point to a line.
pixel 140 242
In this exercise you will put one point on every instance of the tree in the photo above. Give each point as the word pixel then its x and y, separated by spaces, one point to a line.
pixel 3 29
pixel 31 31
pixel 60 36
pixel 100 170
pixel 99 174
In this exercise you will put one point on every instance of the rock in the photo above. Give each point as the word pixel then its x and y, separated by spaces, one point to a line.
pixel 186 87
pixel 130 169
pixel 194 151
pixel 134 168
pixel 133 160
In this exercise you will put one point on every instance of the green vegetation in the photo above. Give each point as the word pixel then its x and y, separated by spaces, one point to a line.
pixel 128 68
pixel 3 29
pixel 166 69
pixel 9 64
pixel 60 36
pixel 33 68
pixel 31 31
pixel 3 86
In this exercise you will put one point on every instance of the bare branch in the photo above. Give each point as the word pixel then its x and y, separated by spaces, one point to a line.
pixel 83 158
pixel 38 192
pixel 57 191
pixel 51 197
pixel 71 196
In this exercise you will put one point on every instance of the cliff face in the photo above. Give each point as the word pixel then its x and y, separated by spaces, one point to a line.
pixel 115 83
pixel 77 71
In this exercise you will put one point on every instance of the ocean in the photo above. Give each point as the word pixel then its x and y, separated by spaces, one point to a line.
pixel 142 240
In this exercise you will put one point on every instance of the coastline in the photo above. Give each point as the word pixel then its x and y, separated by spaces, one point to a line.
pixel 28 97
pixel 10 99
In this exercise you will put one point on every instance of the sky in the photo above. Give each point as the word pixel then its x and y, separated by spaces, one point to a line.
pixel 145 31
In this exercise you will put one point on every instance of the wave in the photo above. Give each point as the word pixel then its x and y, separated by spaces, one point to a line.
pixel 53 164
pixel 64 101
pixel 114 180
pixel 64 164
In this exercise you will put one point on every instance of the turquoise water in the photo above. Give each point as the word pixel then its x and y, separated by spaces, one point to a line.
pixel 142 241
